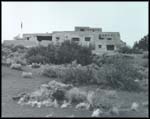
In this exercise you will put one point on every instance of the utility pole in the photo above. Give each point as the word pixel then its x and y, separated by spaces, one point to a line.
pixel 21 34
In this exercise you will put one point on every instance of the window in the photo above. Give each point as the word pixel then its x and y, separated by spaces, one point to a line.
pixel 75 39
pixel 40 38
pixel 99 46
pixel 110 47
pixel 87 38
pixel 109 38
pixel 57 38
pixel 100 37
pixel 81 29
pixel 28 38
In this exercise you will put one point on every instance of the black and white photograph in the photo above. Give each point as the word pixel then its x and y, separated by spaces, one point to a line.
pixel 74 59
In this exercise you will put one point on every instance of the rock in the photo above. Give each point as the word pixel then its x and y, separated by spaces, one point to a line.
pixel 97 113
pixel 71 116
pixel 55 104
pixel 82 106
pixel 16 98
pixel 24 99
pixel 59 94
pixel 16 66
pixel 39 104
pixel 49 115
pixel 136 80
pixel 134 106
pixel 26 74
pixel 145 104
pixel 91 97
pixel 32 103
pixel 115 111
pixel 47 103
pixel 54 84
pixel 76 95
pixel 65 105
pixel 111 94
pixel 35 65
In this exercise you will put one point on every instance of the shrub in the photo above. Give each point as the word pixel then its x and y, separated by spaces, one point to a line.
pixel 26 74
pixel 125 49
pixel 145 55
pixel 19 48
pixel 75 95
pixel 16 66
pixel 128 50
pixel 70 51
pixel 35 65
pixel 77 75
pixel 50 72
pixel 121 74
pixel 60 54
pixel 36 59
pixel 36 55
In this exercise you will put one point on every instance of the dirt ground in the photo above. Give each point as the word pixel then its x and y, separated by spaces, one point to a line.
pixel 13 83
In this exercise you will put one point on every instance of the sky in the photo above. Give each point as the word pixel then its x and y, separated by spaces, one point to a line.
pixel 128 18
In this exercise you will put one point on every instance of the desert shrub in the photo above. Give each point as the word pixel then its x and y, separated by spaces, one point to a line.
pixel 125 49
pixel 76 95
pixel 77 75
pixel 26 74
pixel 19 48
pixel 50 72
pixel 16 66
pixel 36 59
pixel 60 54
pixel 35 65
pixel 143 43
pixel 119 73
pixel 36 55
pixel 145 64
pixel 70 51
pixel 145 55
pixel 128 50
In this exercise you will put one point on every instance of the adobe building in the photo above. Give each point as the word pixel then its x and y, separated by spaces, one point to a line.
pixel 101 41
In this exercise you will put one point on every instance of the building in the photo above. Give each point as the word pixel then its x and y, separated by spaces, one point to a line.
pixel 100 41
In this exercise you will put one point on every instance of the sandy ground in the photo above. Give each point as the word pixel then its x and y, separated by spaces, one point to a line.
pixel 13 83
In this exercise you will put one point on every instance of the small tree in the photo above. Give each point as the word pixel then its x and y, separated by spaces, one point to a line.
pixel 70 51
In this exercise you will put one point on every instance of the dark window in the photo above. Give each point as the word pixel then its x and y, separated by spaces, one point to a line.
pixel 40 38
pixel 110 47
pixel 100 46
pixel 81 29
pixel 87 38
pixel 75 39
pixel 100 37
pixel 57 38
pixel 28 38
pixel 109 38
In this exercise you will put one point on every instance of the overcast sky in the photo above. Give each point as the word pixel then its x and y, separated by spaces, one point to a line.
pixel 128 18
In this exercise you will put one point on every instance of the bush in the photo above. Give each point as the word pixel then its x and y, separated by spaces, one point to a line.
pixel 129 50
pixel 145 55
pixel 77 75
pixel 75 95
pixel 19 48
pixel 35 65
pixel 16 66
pixel 62 54
pixel 125 49
pixel 121 74
pixel 70 51
pixel 50 72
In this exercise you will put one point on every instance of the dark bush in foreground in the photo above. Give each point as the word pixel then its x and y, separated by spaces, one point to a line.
pixel 65 53
pixel 119 73
pixel 128 50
